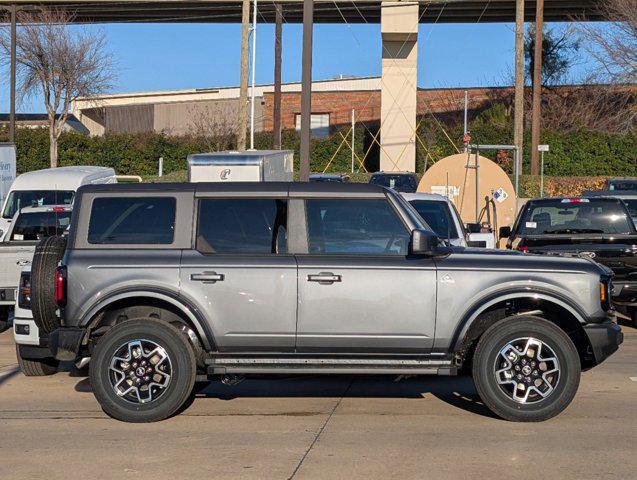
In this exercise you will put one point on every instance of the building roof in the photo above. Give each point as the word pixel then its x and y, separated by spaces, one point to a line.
pixel 325 11
pixel 223 93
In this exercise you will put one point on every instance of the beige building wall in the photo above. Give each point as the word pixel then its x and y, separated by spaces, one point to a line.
pixel 203 117
pixel 399 29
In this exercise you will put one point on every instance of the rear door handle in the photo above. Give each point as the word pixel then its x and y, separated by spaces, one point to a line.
pixel 324 278
pixel 207 277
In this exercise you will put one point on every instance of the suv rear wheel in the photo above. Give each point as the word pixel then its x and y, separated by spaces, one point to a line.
pixel 142 370
pixel 526 369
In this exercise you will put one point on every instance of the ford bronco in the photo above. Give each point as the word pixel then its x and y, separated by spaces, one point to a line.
pixel 163 285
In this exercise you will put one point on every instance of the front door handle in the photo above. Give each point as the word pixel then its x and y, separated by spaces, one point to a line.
pixel 207 277
pixel 324 278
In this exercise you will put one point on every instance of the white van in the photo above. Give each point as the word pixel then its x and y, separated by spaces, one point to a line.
pixel 52 186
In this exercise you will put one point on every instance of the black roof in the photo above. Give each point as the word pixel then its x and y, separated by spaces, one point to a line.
pixel 573 197
pixel 291 188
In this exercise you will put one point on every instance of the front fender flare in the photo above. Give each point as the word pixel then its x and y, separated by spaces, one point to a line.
pixel 189 310
pixel 483 304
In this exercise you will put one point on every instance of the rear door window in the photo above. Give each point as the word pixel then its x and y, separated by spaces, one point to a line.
pixel 242 226
pixel 132 220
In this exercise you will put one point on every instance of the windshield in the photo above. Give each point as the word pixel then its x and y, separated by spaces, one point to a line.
pixel 437 215
pixel 38 225
pixel 571 217
pixel 35 198
pixel 622 185
pixel 632 206
pixel 400 183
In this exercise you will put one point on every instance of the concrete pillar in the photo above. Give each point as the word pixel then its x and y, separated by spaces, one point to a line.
pixel 399 30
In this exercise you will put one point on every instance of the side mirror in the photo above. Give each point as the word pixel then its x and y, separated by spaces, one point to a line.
pixel 474 227
pixel 505 232
pixel 424 242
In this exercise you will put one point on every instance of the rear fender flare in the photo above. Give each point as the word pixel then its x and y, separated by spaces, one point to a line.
pixel 190 311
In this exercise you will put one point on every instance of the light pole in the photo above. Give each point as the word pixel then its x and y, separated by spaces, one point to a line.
pixel 254 61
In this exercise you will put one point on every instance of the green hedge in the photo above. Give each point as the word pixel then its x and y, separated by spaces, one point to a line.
pixel 582 153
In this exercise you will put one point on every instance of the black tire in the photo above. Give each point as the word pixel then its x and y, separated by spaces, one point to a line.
pixel 495 395
pixel 48 254
pixel 40 367
pixel 4 318
pixel 183 370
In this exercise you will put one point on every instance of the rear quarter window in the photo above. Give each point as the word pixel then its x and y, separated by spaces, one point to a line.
pixel 132 220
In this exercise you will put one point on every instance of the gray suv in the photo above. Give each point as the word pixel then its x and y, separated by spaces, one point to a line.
pixel 163 285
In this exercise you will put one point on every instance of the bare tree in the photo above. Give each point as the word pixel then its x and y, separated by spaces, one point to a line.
pixel 614 47
pixel 213 126
pixel 59 62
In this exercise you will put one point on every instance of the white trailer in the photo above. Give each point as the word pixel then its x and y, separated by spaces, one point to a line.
pixel 250 166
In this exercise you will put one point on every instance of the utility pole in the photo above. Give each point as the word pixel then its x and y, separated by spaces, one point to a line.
pixel 306 88
pixel 12 74
pixel 276 111
pixel 242 117
pixel 537 86
pixel 518 128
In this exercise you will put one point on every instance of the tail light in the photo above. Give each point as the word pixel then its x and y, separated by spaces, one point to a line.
pixel 523 248
pixel 24 291
pixel 60 286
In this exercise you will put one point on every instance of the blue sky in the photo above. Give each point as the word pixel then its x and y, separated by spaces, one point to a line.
pixel 169 56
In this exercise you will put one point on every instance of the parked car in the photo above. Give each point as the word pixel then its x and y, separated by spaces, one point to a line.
pixel 624 184
pixel 441 215
pixel 165 284
pixel 29 225
pixel 329 177
pixel 406 182
pixel 599 228
pixel 52 186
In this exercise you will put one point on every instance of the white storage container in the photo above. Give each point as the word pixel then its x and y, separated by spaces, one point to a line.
pixel 250 166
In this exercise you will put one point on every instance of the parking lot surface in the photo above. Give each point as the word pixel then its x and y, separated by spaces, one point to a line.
pixel 319 427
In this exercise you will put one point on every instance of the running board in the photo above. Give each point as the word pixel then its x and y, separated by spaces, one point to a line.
pixel 246 365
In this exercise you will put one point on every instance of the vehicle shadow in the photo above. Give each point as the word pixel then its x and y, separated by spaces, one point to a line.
pixel 4 376
pixel 626 323
pixel 458 391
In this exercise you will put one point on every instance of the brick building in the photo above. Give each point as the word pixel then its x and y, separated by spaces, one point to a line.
pixel 178 112
pixel 336 106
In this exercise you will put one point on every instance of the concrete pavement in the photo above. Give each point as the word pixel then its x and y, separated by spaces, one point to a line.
pixel 326 427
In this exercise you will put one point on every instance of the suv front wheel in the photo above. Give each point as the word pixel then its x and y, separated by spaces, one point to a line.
pixel 526 369
pixel 142 370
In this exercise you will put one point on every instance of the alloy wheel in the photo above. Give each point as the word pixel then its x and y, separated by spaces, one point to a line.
pixel 527 370
pixel 140 371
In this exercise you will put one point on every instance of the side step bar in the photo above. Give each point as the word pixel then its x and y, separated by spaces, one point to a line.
pixel 246 365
